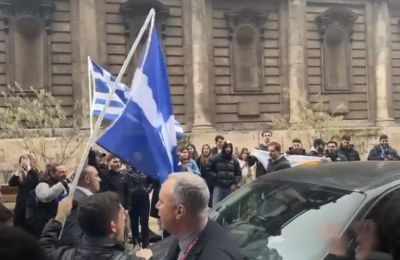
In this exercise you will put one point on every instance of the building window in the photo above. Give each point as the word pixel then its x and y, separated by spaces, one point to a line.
pixel 27 46
pixel 336 31
pixel 246 35
pixel 29 53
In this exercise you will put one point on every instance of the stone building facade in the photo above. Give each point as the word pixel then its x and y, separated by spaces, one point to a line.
pixel 233 64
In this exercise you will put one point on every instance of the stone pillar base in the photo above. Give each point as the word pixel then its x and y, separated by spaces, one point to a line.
pixel 385 122
pixel 203 129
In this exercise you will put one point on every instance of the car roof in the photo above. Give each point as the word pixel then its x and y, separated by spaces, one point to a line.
pixel 342 175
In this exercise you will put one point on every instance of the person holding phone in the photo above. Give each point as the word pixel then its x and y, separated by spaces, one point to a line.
pixel 25 179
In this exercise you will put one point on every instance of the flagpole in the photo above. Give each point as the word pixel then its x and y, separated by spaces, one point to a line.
pixel 90 85
pixel 91 140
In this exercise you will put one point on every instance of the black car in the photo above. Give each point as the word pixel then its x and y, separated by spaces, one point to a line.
pixel 281 215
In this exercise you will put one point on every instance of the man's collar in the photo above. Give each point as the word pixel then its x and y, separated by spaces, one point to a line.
pixel 84 190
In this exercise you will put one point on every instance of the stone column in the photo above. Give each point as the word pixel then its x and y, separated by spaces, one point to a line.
pixel 297 61
pixel 382 63
pixel 84 43
pixel 200 67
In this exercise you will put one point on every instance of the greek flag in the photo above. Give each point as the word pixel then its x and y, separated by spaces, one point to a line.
pixel 145 134
pixel 103 82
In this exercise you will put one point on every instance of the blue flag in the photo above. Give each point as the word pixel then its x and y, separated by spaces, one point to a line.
pixel 144 135
pixel 103 82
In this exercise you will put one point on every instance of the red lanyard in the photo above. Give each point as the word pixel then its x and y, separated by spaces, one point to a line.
pixel 190 247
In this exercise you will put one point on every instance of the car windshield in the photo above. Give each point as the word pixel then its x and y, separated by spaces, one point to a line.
pixel 283 220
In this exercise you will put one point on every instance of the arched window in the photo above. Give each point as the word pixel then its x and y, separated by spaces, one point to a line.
pixel 29 52
pixel 246 28
pixel 28 46
pixel 336 30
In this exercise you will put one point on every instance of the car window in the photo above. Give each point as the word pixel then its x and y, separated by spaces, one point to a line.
pixel 283 220
pixel 379 223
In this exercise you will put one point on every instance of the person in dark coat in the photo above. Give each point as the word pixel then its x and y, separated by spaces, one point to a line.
pixel 227 171
pixel 347 149
pixel 277 161
pixel 204 163
pixel 113 179
pixel 331 152
pixel 318 149
pixel 383 151
pixel 52 188
pixel 219 142
pixel 102 219
pixel 182 206
pixel 296 148
pixel 266 139
pixel 139 206
pixel 88 184
pixel 25 179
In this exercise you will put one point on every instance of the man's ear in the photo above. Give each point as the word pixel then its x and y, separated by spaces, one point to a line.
pixel 87 179
pixel 180 211
pixel 113 227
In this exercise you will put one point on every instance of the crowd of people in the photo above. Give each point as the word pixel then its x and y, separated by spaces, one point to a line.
pixel 94 218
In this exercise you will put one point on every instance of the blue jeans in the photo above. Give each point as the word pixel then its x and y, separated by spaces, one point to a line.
pixel 219 194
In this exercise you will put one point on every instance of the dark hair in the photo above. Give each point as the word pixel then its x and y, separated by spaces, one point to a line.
pixel 23 156
pixel 276 145
pixel 381 137
pixel 346 137
pixel 97 211
pixel 244 149
pixel 296 140
pixel 266 131
pixel 332 142
pixel 16 244
pixel 318 142
pixel 219 137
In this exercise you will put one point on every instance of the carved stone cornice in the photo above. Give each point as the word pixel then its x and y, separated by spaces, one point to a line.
pixel 337 17
pixel 134 13
pixel 249 16
pixel 41 9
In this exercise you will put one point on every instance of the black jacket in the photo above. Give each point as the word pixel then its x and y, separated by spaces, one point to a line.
pixel 350 153
pixel 316 153
pixel 279 164
pixel 227 170
pixel 260 170
pixel 379 154
pixel 206 172
pixel 116 182
pixel 90 248
pixel 336 157
pixel 292 151
pixel 213 244
pixel 24 188
pixel 72 233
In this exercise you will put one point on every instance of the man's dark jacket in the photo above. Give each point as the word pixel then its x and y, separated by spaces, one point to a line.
pixel 72 234
pixel 213 243
pixel 90 249
pixel 278 164
pixel 292 151
pixel 227 170
pixel 260 170
pixel 350 153
pixel 378 153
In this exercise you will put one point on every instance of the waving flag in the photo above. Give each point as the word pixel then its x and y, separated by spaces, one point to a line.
pixel 103 81
pixel 294 160
pixel 145 134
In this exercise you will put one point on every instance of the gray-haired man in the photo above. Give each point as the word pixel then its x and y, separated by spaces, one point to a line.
pixel 182 208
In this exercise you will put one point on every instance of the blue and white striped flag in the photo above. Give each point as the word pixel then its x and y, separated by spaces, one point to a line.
pixel 103 82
